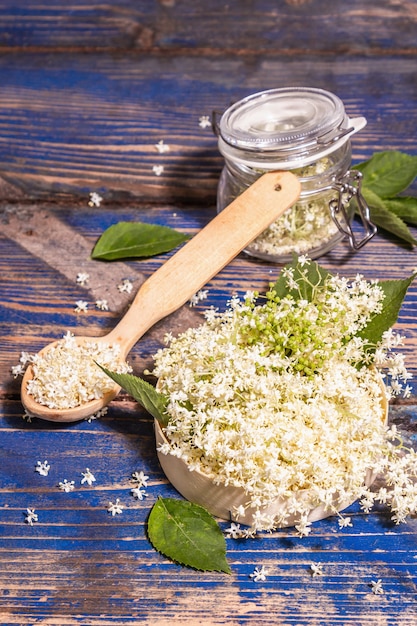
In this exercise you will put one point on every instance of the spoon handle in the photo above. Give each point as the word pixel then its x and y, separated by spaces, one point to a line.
pixel 203 256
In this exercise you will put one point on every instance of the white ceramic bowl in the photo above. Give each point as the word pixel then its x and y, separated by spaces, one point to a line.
pixel 221 501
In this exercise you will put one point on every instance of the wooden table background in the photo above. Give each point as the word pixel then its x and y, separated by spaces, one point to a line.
pixel 86 91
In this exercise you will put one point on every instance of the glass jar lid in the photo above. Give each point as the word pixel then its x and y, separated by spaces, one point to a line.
pixel 290 126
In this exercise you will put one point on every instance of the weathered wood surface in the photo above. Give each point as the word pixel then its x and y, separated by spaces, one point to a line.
pixel 79 565
pixel 87 90
pixel 245 26
pixel 79 123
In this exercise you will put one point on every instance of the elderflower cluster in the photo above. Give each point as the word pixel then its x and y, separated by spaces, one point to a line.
pixel 304 227
pixel 67 375
pixel 284 399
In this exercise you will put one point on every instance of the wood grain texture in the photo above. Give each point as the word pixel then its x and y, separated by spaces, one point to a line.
pixel 77 123
pixel 261 26
pixel 87 91
pixel 79 565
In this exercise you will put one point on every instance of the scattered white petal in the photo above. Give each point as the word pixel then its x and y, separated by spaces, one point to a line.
pixel 125 286
pixel 158 170
pixel 376 587
pixel 316 569
pixel 97 415
pixel 162 147
pixel 138 492
pixel 17 370
pixel 204 121
pixel 87 477
pixel 31 516
pixel 234 531
pixel 140 478
pixel 198 297
pixel 83 278
pixel 20 368
pixel 259 574
pixel 95 199
pixel 66 485
pixel 102 305
pixel 81 306
pixel 42 468
pixel 115 508
pixel 344 522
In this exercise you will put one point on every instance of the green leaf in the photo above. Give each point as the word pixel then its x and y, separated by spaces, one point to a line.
pixel 142 391
pixel 394 291
pixel 404 207
pixel 382 217
pixel 188 534
pixel 308 278
pixel 388 173
pixel 137 239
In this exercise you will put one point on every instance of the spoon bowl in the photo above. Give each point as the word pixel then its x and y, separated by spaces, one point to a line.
pixel 179 278
pixel 82 411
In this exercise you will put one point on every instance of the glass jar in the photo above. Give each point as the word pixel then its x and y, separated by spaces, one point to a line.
pixel 306 131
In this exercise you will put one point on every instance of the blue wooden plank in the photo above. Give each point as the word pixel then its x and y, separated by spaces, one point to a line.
pixel 84 543
pixel 77 123
pixel 264 25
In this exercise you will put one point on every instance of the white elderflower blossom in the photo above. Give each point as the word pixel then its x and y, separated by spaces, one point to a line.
pixel 115 508
pixel 376 587
pixel 87 477
pixel 102 305
pixel 67 485
pixel 24 360
pixel 275 396
pixel 259 574
pixel 81 306
pixel 67 375
pixel 140 478
pixel 42 468
pixel 158 170
pixel 83 278
pixel 162 147
pixel 204 121
pixel 138 492
pixel 316 569
pixel 31 517
pixel 344 522
pixel 198 297
pixel 126 286
pixel 100 413
pixel 234 531
pixel 17 370
pixel 95 199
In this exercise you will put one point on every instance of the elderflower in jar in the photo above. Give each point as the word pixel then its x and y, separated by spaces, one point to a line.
pixel 306 131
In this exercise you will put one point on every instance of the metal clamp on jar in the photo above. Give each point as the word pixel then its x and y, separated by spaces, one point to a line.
pixel 308 132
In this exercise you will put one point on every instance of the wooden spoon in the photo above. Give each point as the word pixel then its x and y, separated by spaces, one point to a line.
pixel 179 278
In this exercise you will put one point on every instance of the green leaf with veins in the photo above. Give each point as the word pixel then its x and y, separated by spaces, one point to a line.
pixel 143 392
pixel 136 239
pixel 388 173
pixel 404 207
pixel 383 217
pixel 395 291
pixel 385 175
pixel 188 534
